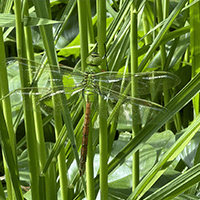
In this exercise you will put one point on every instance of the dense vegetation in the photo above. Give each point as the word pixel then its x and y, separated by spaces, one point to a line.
pixel 157 158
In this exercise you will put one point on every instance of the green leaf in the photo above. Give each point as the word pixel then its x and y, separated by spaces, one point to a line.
pixel 8 20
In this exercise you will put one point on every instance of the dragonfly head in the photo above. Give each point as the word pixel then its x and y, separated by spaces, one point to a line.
pixel 94 59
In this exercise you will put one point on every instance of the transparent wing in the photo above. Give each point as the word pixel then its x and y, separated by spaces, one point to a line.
pixel 129 109
pixel 43 102
pixel 117 88
pixel 40 73
pixel 40 88
pixel 146 83
pixel 73 82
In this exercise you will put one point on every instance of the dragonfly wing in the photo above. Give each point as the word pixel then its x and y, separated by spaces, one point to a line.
pixel 129 109
pixel 40 73
pixel 41 89
pixel 138 111
pixel 42 99
pixel 146 82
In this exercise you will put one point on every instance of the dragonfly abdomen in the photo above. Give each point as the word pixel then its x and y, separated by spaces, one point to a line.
pixel 85 139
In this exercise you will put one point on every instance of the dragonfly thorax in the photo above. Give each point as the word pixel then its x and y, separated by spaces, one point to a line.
pixel 90 86
pixel 92 69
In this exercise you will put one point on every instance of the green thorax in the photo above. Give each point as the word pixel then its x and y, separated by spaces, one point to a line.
pixel 93 61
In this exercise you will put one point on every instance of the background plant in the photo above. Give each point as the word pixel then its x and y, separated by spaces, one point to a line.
pixel 147 35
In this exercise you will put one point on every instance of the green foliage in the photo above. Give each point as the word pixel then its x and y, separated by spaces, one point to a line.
pixel 53 31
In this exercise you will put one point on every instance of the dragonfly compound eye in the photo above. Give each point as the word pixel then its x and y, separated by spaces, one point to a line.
pixel 94 59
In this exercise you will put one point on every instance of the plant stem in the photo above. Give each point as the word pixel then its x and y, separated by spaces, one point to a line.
pixel 103 140
pixel 47 36
pixel 163 58
pixel 134 69
pixel 194 39
pixel 37 114
pixel 82 19
pixel 6 106
pixel 27 104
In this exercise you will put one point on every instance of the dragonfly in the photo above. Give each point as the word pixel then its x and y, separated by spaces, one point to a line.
pixel 115 88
